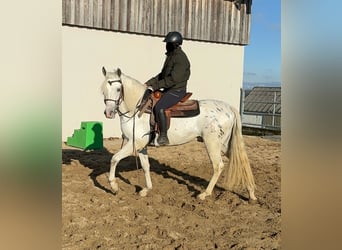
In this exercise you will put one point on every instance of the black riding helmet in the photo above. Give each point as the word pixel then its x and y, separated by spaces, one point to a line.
pixel 174 37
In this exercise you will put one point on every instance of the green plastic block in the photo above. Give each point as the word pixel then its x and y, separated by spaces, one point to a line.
pixel 89 136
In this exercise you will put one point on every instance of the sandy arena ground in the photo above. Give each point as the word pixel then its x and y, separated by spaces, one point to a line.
pixel 170 217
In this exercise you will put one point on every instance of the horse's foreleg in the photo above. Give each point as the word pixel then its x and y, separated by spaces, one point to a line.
pixel 126 150
pixel 216 160
pixel 146 166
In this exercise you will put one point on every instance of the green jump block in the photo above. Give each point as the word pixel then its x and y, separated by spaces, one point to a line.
pixel 89 136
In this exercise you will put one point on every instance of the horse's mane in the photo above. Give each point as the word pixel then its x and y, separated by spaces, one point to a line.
pixel 130 79
pixel 133 91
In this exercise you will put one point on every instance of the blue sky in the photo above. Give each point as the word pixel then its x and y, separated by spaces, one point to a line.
pixel 262 55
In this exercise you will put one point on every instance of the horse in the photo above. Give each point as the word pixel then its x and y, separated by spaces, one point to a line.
pixel 218 125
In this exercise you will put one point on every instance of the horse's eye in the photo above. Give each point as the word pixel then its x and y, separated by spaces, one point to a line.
pixel 118 89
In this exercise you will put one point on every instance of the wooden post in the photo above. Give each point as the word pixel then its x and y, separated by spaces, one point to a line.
pixel 274 107
pixel 242 101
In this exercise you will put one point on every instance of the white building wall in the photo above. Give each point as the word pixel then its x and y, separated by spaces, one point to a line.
pixel 216 71
pixel 252 119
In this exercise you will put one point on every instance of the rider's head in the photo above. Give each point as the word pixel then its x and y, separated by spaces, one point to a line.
pixel 173 40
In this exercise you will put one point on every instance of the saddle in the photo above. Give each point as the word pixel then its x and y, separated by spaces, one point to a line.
pixel 184 108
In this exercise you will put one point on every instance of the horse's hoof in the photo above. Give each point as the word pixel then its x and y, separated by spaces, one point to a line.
pixel 114 186
pixel 253 202
pixel 143 192
pixel 202 196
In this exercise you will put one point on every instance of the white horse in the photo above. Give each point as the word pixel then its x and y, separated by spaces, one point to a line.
pixel 218 124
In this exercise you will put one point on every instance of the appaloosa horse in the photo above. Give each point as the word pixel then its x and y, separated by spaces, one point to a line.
pixel 218 124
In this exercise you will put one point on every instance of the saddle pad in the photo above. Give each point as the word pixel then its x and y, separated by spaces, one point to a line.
pixel 188 108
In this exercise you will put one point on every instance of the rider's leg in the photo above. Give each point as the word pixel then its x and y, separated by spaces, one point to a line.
pixel 169 98
pixel 162 121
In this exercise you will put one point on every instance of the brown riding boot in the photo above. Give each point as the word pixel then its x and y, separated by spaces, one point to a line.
pixel 162 123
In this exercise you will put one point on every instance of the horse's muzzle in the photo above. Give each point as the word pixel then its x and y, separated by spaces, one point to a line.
pixel 109 114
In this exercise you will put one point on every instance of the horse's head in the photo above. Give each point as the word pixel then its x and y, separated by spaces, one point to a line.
pixel 112 92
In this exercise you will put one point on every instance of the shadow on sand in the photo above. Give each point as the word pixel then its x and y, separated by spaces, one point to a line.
pixel 99 162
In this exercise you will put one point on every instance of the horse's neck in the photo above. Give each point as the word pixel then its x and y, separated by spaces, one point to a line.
pixel 133 91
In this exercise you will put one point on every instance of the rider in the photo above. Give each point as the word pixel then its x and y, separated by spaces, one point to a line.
pixel 173 79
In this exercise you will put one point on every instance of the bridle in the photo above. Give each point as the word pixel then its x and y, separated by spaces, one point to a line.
pixel 119 100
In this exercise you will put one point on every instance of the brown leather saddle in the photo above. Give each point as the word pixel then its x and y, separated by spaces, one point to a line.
pixel 185 108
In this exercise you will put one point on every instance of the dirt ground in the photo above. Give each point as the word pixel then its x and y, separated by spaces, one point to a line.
pixel 170 217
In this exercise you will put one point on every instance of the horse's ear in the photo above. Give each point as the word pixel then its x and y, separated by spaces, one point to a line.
pixel 118 72
pixel 104 72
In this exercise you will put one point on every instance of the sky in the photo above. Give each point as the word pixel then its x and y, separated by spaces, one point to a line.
pixel 262 55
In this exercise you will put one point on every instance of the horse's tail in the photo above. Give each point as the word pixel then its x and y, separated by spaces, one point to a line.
pixel 239 173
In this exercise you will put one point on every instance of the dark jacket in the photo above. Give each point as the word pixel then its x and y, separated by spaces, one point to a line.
pixel 175 72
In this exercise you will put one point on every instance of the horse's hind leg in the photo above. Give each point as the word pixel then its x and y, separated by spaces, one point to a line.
pixel 146 166
pixel 214 152
pixel 123 153
pixel 252 198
